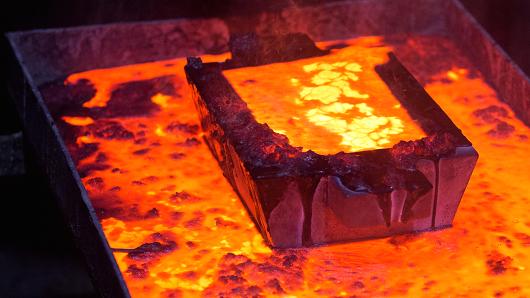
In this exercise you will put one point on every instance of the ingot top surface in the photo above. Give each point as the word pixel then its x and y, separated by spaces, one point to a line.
pixel 327 104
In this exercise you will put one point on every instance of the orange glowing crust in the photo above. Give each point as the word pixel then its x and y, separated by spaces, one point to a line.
pixel 327 104
pixel 486 253
pixel 78 121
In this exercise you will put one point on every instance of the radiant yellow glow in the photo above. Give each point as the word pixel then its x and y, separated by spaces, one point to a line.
pixel 161 100
pixel 456 74
pixel 159 131
pixel 366 131
pixel 327 104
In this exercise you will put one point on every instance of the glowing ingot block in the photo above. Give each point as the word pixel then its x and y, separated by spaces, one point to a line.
pixel 301 198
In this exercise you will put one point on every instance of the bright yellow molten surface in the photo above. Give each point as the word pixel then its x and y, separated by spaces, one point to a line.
pixel 327 104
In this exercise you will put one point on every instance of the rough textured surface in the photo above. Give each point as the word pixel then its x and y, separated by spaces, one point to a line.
pixel 250 49
pixel 50 54
pixel 338 20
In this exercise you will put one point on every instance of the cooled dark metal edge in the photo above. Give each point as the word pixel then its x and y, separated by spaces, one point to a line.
pixel 418 103
pixel 44 138
pixel 224 153
pixel 248 188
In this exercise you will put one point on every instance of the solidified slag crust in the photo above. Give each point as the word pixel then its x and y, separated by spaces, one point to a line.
pixel 249 49
pixel 300 198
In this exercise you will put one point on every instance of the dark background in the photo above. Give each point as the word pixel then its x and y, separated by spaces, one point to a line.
pixel 37 255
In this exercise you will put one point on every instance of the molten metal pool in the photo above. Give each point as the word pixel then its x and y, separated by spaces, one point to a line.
pixel 178 229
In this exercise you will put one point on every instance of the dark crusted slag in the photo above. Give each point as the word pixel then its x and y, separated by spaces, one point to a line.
pixel 249 49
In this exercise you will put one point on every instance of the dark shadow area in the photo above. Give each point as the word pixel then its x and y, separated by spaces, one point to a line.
pixel 508 22
pixel 38 257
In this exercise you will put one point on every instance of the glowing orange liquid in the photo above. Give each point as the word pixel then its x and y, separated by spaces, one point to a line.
pixel 327 104
pixel 220 251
